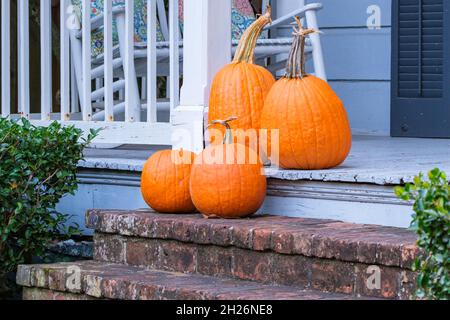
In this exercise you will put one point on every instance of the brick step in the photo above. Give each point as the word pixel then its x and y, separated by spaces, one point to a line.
pixel 119 282
pixel 325 255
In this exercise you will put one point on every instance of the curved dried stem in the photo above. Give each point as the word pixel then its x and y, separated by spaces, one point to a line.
pixel 246 49
pixel 295 67
pixel 228 138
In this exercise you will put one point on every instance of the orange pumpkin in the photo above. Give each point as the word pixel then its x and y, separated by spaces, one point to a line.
pixel 240 88
pixel 314 131
pixel 165 181
pixel 227 180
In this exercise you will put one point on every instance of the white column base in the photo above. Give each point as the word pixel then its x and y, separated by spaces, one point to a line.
pixel 188 128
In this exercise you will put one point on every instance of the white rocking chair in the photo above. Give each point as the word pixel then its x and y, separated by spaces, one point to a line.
pixel 266 47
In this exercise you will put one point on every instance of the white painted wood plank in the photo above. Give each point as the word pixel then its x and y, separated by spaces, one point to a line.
pixel 132 113
pixel 348 211
pixel 24 59
pixel 144 86
pixel 369 113
pixel 123 132
pixel 6 60
pixel 46 59
pixel 151 80
pixel 108 36
pixel 174 54
pixel 204 53
pixel 65 62
pixel 357 54
pixel 86 61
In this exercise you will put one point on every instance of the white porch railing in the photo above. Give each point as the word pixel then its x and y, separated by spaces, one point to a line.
pixel 206 47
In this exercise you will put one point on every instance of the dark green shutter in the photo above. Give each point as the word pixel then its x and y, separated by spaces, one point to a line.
pixel 420 68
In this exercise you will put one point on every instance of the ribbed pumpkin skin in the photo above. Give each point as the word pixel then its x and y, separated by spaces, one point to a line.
pixel 165 183
pixel 240 89
pixel 227 190
pixel 314 129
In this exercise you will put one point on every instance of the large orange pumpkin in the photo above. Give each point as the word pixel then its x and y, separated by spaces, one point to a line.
pixel 227 181
pixel 165 181
pixel 314 131
pixel 240 88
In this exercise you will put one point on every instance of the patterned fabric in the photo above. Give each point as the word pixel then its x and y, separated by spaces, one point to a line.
pixel 242 17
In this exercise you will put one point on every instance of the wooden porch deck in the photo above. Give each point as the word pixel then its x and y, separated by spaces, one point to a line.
pixel 373 160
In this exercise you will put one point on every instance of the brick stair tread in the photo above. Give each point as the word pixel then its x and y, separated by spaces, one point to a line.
pixel 120 282
pixel 330 239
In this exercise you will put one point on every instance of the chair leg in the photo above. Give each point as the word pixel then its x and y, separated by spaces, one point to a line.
pixel 319 65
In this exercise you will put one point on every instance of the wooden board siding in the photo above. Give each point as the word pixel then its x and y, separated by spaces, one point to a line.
pixel 357 60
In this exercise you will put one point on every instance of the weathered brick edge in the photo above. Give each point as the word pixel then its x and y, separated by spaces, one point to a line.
pixel 267 267
pixel 329 239
pixel 118 282
pixel 50 295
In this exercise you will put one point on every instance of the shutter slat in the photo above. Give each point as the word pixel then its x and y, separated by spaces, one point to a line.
pixel 420 48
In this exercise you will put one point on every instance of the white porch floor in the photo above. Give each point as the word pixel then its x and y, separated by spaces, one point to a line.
pixel 373 160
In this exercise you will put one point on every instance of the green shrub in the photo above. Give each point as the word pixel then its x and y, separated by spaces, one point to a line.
pixel 37 168
pixel 431 221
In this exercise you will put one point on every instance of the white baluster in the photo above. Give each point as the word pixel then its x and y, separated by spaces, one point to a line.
pixel 46 59
pixel 6 59
pixel 151 62
pixel 86 61
pixel 174 55
pixel 65 62
pixel 132 105
pixel 109 95
pixel 24 59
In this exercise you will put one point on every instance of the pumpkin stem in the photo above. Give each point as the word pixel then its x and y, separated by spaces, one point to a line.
pixel 228 138
pixel 246 49
pixel 295 67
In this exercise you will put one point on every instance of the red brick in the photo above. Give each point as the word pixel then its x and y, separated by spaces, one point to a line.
pixel 408 282
pixel 163 228
pixel 184 230
pixel 241 236
pixel 283 242
pixel 334 246
pixel 252 265
pixel 336 240
pixel 388 254
pixel 142 253
pixel 333 276
pixel 50 295
pixel 109 248
pixel 214 261
pixel 57 279
pixel 292 270
pixel 409 255
pixel 221 234
pixel 366 283
pixel 202 233
pixel 176 257
pixel 262 239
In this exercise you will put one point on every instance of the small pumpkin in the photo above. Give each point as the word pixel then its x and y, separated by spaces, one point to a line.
pixel 227 180
pixel 314 131
pixel 241 87
pixel 165 181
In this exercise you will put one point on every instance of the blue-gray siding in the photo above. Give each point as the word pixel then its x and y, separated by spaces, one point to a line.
pixel 358 60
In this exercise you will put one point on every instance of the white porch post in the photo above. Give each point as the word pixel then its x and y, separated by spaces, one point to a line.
pixel 207 48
